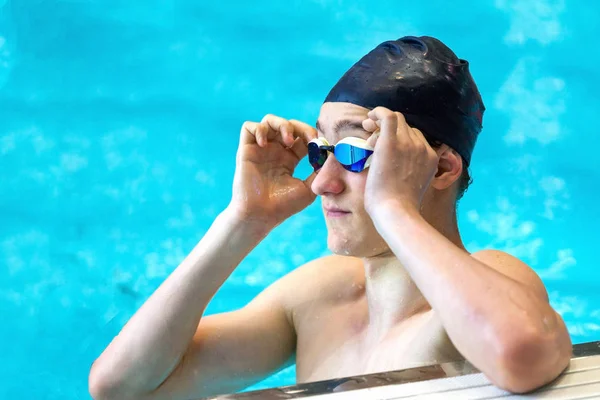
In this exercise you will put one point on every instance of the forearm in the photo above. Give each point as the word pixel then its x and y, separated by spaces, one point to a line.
pixel 154 340
pixel 483 311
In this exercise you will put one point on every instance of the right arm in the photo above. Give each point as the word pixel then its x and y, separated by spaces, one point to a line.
pixel 167 350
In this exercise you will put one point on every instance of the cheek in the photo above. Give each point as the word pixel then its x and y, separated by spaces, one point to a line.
pixel 358 182
pixel 361 179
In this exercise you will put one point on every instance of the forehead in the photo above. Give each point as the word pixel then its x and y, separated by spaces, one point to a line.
pixel 335 118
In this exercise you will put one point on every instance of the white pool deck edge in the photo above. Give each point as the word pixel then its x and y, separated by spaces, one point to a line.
pixel 581 380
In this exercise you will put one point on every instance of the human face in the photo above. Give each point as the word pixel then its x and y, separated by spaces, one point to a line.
pixel 350 229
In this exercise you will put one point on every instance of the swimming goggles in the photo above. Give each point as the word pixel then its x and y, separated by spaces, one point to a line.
pixel 353 153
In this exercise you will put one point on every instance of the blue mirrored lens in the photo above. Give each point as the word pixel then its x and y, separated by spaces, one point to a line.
pixel 347 154
pixel 358 166
pixel 351 157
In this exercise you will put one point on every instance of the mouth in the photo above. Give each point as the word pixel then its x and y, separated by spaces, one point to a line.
pixel 334 212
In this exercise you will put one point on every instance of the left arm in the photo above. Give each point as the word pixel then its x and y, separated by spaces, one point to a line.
pixel 494 307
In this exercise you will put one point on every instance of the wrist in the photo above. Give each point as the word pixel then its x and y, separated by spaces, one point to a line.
pixel 393 209
pixel 247 226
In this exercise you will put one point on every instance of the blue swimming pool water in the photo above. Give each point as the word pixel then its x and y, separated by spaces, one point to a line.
pixel 110 112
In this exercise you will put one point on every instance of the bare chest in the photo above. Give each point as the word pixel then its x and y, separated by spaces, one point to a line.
pixel 333 343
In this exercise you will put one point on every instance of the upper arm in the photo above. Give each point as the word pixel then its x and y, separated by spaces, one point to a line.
pixel 513 268
pixel 233 350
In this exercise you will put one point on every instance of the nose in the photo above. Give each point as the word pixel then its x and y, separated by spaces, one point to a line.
pixel 330 178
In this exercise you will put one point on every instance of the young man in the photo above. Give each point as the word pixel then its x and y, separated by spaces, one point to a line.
pixel 401 290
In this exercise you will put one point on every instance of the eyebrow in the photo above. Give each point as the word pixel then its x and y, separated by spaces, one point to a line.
pixel 344 124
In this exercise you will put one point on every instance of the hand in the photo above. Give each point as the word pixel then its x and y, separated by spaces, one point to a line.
pixel 403 163
pixel 264 189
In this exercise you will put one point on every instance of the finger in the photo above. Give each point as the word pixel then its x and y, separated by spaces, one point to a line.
pixel 386 120
pixel 299 148
pixel 309 180
pixel 264 133
pixel 256 133
pixel 372 140
pixel 417 134
pixel 376 121
pixel 280 126
pixel 418 137
pixel 370 125
pixel 276 128
pixel 274 135
pixel 304 131
pixel 389 126
pixel 414 136
pixel 248 133
pixel 379 113
pixel 261 135
pixel 403 131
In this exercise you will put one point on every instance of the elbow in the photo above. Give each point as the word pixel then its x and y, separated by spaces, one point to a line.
pixel 99 384
pixel 99 391
pixel 103 386
pixel 531 361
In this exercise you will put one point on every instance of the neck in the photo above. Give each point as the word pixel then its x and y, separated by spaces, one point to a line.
pixel 391 294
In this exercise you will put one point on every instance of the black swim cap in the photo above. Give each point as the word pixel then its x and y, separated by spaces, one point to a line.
pixel 425 81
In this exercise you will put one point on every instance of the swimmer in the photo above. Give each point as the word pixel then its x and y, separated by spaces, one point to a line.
pixel 390 152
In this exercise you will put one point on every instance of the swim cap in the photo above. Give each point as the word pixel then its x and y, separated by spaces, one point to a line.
pixel 424 80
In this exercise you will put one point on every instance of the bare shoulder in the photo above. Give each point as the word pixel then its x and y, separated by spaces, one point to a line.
pixel 513 268
pixel 320 280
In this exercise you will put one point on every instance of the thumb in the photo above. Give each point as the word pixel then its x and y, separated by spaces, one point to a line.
pixel 372 140
pixel 309 180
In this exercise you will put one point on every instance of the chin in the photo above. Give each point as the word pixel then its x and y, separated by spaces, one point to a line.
pixel 355 247
pixel 341 245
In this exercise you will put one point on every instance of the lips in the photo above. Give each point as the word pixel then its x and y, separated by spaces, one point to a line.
pixel 333 211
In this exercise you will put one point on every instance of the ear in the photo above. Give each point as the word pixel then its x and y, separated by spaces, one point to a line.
pixel 450 168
